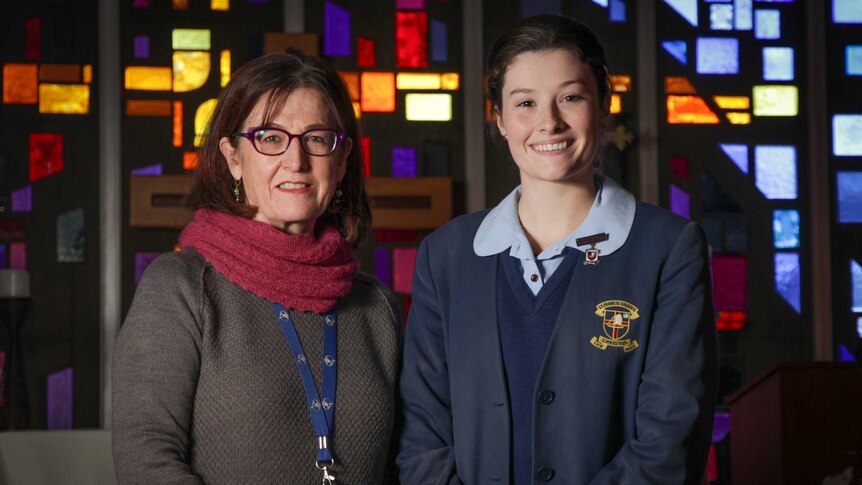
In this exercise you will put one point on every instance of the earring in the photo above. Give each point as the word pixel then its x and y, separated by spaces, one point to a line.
pixel 236 184
pixel 338 200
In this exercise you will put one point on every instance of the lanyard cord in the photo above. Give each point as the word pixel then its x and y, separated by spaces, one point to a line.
pixel 321 405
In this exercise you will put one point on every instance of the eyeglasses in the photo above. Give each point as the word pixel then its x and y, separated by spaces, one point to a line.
pixel 272 141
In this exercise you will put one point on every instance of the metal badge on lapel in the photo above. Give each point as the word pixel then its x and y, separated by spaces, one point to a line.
pixel 591 255
pixel 617 317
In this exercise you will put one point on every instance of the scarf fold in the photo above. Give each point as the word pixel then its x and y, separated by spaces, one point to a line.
pixel 300 271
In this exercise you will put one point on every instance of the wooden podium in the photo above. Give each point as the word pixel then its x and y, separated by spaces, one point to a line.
pixel 797 423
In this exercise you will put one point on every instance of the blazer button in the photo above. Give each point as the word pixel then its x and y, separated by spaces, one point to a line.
pixel 546 397
pixel 545 474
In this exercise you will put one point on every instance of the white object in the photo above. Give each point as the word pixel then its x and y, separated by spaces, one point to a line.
pixel 14 283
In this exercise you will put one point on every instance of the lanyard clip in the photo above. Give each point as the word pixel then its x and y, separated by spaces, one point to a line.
pixel 327 478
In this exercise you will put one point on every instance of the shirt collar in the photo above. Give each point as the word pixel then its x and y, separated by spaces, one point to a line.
pixel 613 212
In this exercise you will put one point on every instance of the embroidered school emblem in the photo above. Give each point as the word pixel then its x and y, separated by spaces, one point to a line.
pixel 617 316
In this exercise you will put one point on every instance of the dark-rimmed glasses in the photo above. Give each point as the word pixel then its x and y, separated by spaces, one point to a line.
pixel 268 140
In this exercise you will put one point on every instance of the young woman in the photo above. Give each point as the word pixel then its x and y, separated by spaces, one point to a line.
pixel 566 335
pixel 258 354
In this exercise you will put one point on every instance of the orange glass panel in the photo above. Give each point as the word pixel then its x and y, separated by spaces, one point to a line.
pixel 191 70
pixel 616 104
pixel 190 160
pixel 60 73
pixel 73 99
pixel 739 118
pixel 378 92
pixel 220 5
pixel 450 81
pixel 88 73
pixel 678 85
pixel 20 83
pixel 181 4
pixel 178 123
pixel 732 102
pixel 224 67
pixel 147 78
pixel 351 80
pixel 148 107
pixel 689 109
pixel 357 109
pixel 621 84
pixel 202 119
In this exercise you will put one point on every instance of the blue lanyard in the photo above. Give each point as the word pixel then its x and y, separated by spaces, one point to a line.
pixel 321 405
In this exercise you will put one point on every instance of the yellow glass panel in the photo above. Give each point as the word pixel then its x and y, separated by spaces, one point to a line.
pixel 415 80
pixel 732 102
pixel 220 5
pixel 191 39
pixel 202 119
pixel 20 83
pixel 178 123
pixel 224 67
pixel 72 99
pixel 739 118
pixel 148 78
pixel 776 101
pixel 450 81
pixel 428 107
pixel 678 85
pixel 191 70
pixel 181 4
pixel 88 73
pixel 190 160
pixel 621 84
pixel 351 80
pixel 357 109
pixel 378 92
pixel 616 104
pixel 689 109
pixel 60 73
pixel 148 107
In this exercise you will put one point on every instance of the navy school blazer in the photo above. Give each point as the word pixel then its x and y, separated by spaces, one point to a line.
pixel 632 363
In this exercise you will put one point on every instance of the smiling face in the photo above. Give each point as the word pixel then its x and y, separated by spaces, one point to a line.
pixel 293 189
pixel 551 116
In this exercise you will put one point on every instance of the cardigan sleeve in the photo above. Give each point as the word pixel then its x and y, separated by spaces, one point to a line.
pixel 426 455
pixel 155 372
pixel 676 396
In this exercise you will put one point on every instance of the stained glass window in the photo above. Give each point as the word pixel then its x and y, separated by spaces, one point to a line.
pixel 775 171
pixel 785 228
pixel 846 139
pixel 849 197
pixel 428 107
pixel 717 55
pixel 788 279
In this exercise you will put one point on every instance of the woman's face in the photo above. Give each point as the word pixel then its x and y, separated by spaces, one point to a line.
pixel 293 189
pixel 551 116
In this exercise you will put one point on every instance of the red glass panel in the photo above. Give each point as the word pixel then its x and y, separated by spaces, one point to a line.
pixel 411 34
pixel 46 155
pixel 33 49
pixel 679 166
pixel 365 141
pixel 365 56
pixel 728 282
pixel 731 321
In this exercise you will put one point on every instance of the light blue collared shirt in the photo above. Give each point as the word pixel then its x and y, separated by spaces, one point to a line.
pixel 613 212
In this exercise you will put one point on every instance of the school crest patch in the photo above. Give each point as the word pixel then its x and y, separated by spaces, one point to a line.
pixel 617 317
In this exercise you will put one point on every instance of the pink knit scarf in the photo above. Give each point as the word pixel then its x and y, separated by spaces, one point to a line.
pixel 303 272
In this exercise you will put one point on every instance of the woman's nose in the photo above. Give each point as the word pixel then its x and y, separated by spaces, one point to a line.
pixel 551 121
pixel 294 159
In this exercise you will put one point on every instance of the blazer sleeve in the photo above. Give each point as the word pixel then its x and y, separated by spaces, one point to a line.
pixel 155 371
pixel 676 396
pixel 426 455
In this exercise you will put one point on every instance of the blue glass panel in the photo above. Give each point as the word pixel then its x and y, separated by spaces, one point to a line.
pixel 847 11
pixel 603 3
pixel 439 41
pixel 155 169
pixel 537 7
pixel 721 16
pixel 787 279
pixel 767 24
pixel 618 11
pixel 849 196
pixel 678 49
pixel 778 63
pixel 775 171
pixel 336 27
pixel 736 235
pixel 854 60
pixel 859 327
pixel 845 135
pixel 717 55
pixel 856 285
pixel 785 228
pixel 686 8
pixel 743 14
pixel 844 355
pixel 680 202
pixel 737 153
pixel 3 264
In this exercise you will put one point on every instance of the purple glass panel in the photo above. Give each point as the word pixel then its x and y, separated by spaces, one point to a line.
pixel 22 199
pixel 618 11
pixel 679 202
pixel 720 426
pixel 142 260
pixel 3 256
pixel 439 41
pixel 142 3
pixel 148 170
pixel 142 47
pixel 403 162
pixel 410 4
pixel 336 26
pixel 383 265
pixel 257 1
pixel 844 355
pixel 60 399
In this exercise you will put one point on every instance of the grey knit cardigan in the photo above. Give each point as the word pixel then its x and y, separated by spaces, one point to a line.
pixel 205 389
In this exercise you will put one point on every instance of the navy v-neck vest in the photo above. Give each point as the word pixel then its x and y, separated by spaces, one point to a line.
pixel 526 322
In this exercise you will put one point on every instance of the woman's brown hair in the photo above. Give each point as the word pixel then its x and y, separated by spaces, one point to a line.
pixel 274 77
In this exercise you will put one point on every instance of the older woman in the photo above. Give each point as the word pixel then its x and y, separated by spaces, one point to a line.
pixel 258 354
pixel 581 349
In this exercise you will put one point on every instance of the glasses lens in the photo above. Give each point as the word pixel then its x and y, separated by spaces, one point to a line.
pixel 271 142
pixel 319 142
